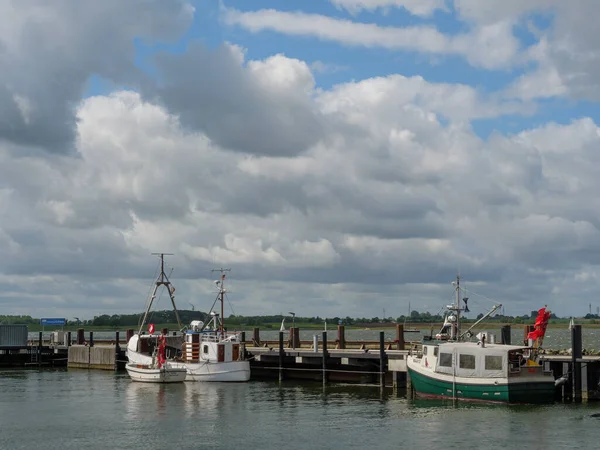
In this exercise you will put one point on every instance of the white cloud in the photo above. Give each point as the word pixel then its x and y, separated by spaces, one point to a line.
pixel 343 200
pixel 490 46
pixel 566 54
pixel 390 196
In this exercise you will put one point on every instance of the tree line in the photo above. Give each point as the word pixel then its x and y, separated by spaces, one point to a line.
pixel 186 316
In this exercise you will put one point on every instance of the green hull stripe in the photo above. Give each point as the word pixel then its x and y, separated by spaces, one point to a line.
pixel 511 393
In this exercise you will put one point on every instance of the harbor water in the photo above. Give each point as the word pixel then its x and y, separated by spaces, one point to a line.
pixel 76 409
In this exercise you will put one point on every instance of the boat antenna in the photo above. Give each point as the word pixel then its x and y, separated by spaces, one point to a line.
pixel 221 285
pixel 162 280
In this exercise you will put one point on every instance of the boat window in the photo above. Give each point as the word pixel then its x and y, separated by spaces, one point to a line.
pixel 445 359
pixel 205 349
pixel 424 351
pixel 493 362
pixel 435 351
pixel 466 362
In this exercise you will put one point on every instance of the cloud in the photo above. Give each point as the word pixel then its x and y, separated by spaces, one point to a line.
pixel 335 201
pixel 49 51
pixel 491 46
pixel 323 67
pixel 566 53
pixel 262 107
pixel 389 196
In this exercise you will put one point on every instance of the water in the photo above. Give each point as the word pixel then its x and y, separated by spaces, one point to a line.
pixel 73 409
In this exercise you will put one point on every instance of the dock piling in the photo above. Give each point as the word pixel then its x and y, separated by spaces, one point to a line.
pixel 281 354
pixel 400 336
pixel 505 335
pixel 341 337
pixel 381 360
pixel 80 336
pixel 117 349
pixel 91 338
pixel 576 353
pixel 256 337
pixel 39 349
pixel 324 358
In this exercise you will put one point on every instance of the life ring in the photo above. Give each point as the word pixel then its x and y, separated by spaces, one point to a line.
pixel 469 334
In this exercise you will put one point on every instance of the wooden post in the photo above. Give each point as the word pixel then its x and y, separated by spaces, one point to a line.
pixel 505 335
pixel 557 371
pixel 128 334
pixel 526 330
pixel 91 338
pixel 568 386
pixel 400 344
pixel 80 336
pixel 280 355
pixel 341 337
pixel 256 337
pixel 576 354
pixel 117 349
pixel 381 360
pixel 68 339
pixel 324 358
pixel 39 349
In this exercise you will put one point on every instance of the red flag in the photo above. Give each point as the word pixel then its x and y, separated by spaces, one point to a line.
pixel 540 317
pixel 541 322
pixel 151 328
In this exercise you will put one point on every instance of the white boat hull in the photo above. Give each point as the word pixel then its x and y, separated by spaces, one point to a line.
pixel 236 371
pixel 146 374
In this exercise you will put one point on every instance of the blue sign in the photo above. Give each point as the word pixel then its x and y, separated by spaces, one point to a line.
pixel 53 321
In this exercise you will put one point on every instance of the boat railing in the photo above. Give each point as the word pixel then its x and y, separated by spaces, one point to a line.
pixel 218 337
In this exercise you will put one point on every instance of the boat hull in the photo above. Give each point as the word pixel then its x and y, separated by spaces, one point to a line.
pixel 146 374
pixel 232 371
pixel 493 390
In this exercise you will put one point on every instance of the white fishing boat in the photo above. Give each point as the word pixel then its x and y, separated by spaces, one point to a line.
pixel 206 351
pixel 159 371
pixel 450 366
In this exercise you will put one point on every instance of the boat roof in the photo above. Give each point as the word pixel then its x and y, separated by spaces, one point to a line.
pixel 476 345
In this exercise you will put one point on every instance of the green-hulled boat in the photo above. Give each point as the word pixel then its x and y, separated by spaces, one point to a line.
pixel 450 367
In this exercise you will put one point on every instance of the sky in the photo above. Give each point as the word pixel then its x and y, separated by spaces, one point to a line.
pixel 342 157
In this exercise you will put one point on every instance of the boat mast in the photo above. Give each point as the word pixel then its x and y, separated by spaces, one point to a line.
pixel 161 280
pixel 221 295
pixel 457 307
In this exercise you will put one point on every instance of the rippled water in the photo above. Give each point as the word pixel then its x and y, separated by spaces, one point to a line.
pixel 77 409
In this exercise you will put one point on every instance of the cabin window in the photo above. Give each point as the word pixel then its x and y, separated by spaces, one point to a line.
pixel 466 362
pixel 445 359
pixel 424 351
pixel 435 351
pixel 205 349
pixel 493 362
